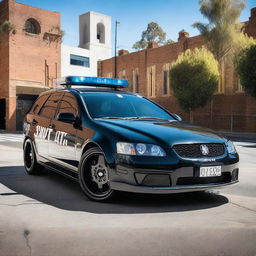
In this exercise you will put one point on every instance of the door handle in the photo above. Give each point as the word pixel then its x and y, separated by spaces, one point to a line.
pixel 34 122
pixel 52 126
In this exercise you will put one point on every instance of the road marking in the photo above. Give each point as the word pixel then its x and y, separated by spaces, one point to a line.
pixel 11 137
pixel 4 140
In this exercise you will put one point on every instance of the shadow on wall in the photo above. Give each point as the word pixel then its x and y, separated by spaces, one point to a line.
pixel 60 192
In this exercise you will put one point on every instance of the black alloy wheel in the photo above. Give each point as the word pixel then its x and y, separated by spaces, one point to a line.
pixel 93 176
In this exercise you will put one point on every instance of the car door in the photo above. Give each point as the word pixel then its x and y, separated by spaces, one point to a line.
pixel 42 123
pixel 63 136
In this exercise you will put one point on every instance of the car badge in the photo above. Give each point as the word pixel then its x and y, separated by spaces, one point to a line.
pixel 204 149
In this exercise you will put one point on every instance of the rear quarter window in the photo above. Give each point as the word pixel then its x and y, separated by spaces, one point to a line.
pixel 50 106
pixel 39 103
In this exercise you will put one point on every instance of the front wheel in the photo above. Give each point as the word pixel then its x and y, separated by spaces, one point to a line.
pixel 93 176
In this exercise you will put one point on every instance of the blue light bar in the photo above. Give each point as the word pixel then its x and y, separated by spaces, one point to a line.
pixel 96 81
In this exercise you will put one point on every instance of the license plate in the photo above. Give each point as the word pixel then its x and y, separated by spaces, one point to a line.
pixel 210 171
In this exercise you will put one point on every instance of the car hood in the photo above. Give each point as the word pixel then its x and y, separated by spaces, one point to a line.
pixel 166 133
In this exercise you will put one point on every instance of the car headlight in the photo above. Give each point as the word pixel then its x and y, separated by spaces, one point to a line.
pixel 139 149
pixel 231 147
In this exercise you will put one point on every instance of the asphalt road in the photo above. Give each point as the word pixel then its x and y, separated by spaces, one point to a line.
pixel 49 215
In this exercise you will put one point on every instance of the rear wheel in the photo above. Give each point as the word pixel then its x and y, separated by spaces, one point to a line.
pixel 29 157
pixel 93 176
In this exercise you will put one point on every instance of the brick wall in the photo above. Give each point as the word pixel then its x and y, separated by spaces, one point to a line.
pixel 27 60
pixel 250 27
pixel 29 52
pixel 4 52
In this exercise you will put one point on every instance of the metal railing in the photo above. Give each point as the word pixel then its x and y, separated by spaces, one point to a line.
pixel 224 122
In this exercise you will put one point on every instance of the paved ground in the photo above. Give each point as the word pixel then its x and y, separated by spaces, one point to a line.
pixel 49 215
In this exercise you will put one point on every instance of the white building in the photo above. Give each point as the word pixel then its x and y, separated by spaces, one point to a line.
pixel 94 44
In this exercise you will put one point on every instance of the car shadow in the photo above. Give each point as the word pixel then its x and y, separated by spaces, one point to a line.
pixel 55 190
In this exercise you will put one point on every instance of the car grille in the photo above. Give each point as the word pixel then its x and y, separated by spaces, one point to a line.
pixel 194 151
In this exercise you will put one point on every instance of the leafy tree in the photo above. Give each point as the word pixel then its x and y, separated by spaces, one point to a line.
pixel 139 45
pixel 242 43
pixel 153 33
pixel 169 41
pixel 223 27
pixel 246 68
pixel 194 77
pixel 7 27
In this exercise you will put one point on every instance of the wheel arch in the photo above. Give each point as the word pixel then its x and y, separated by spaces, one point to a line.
pixel 89 145
pixel 103 147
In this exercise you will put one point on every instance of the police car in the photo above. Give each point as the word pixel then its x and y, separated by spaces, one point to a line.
pixel 111 140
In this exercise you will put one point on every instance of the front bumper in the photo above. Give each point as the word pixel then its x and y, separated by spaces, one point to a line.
pixel 166 190
pixel 184 179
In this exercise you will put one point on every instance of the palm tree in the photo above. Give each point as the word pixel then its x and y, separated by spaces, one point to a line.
pixel 223 27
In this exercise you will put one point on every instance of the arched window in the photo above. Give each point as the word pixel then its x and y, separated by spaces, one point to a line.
pixel 101 33
pixel 32 26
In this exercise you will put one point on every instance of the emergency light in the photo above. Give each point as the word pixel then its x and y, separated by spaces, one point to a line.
pixel 95 81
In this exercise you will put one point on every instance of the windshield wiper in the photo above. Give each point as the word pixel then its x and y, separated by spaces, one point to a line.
pixel 145 118
pixel 134 118
pixel 110 117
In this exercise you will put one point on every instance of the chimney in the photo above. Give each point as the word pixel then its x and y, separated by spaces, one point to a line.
pixel 253 13
pixel 152 45
pixel 122 52
pixel 183 35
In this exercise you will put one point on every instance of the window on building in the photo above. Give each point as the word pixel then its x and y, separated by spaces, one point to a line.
pixel 239 87
pixel 151 81
pixel 79 60
pixel 32 26
pixel 101 33
pixel 135 80
pixel 109 75
pixel 166 79
pixel 122 74
pixel 165 82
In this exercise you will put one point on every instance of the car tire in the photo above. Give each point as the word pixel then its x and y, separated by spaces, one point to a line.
pixel 93 176
pixel 30 161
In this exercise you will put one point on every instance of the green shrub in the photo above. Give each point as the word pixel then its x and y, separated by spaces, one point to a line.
pixel 7 27
pixel 246 68
pixel 194 78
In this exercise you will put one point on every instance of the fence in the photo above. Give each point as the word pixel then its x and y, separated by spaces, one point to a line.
pixel 232 123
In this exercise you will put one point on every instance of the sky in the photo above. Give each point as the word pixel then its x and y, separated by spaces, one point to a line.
pixel 133 15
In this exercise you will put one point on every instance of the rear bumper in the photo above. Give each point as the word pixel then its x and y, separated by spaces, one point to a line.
pixel 184 179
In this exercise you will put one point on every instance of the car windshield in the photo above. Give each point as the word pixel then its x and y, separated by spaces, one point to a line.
pixel 123 106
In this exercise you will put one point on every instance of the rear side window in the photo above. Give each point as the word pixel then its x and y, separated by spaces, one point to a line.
pixel 68 104
pixel 38 104
pixel 50 106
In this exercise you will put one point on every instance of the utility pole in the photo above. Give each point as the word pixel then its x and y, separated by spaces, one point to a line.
pixel 117 23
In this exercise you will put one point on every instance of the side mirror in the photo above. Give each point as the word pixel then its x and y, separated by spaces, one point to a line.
pixel 66 118
pixel 177 117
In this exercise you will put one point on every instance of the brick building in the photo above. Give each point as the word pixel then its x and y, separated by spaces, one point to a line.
pixel 30 40
pixel 148 74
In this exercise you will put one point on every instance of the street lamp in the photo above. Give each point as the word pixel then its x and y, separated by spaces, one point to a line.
pixel 117 23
